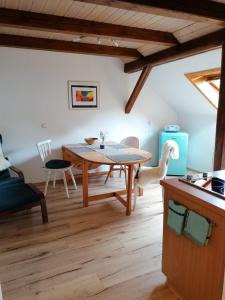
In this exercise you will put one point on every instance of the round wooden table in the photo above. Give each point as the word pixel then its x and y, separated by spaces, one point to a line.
pixel 86 157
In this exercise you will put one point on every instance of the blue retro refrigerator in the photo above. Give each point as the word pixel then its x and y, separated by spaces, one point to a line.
pixel 176 166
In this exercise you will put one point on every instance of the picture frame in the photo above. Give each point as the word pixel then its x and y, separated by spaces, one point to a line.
pixel 83 95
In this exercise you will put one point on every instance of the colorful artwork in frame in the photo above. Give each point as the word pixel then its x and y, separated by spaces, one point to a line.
pixel 83 95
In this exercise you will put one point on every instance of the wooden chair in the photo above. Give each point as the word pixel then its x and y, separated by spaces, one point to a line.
pixel 21 196
pixel 146 176
pixel 54 166
pixel 16 195
pixel 131 141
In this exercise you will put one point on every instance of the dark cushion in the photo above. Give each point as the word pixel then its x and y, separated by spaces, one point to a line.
pixel 16 196
pixel 10 181
pixel 4 175
pixel 57 164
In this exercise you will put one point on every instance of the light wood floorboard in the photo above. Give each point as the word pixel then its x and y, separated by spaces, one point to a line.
pixel 91 253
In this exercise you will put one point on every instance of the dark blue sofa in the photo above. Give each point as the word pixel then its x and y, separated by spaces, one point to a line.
pixel 16 195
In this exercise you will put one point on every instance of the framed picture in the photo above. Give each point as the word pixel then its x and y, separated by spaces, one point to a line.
pixel 83 95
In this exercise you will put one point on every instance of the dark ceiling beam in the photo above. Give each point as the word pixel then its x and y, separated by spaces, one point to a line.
pixel 44 22
pixel 196 10
pixel 16 41
pixel 219 153
pixel 196 46
pixel 138 88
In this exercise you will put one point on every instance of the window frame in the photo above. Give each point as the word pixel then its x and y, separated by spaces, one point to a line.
pixel 205 76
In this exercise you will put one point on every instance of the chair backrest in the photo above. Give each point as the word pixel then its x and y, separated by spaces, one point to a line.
pixel 44 149
pixel 170 150
pixel 131 141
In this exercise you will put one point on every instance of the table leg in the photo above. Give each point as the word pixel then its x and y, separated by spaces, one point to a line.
pixel 129 189
pixel 85 182
pixel 140 191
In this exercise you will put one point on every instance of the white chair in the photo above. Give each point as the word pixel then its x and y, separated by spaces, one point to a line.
pixel 54 166
pixel 149 175
pixel 131 141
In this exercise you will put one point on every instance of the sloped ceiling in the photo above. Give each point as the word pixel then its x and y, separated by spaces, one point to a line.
pixel 169 81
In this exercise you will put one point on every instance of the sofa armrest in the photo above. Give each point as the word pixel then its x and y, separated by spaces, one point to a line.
pixel 44 210
pixel 36 190
pixel 17 171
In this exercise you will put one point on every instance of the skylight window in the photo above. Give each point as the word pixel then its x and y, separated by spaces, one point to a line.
pixel 208 83
pixel 215 84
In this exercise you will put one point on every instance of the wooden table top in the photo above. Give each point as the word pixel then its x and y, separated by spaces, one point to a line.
pixel 94 154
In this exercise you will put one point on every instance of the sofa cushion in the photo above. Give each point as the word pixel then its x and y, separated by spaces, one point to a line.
pixel 4 175
pixel 58 164
pixel 8 182
pixel 16 196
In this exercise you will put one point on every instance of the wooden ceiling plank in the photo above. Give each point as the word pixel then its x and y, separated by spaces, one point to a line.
pixel 201 10
pixel 125 17
pixel 62 8
pixel 187 33
pixel 30 20
pixel 138 87
pixel 219 153
pixel 135 20
pixel 116 18
pixel 36 6
pixel 17 41
pixel 49 7
pixel 202 44
pixel 95 13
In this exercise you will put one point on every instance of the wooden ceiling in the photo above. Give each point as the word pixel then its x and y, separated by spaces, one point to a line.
pixel 140 29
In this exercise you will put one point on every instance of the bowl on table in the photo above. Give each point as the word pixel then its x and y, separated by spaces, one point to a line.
pixel 91 141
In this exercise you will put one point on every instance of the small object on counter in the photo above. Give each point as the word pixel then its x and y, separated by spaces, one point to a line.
pixel 208 182
pixel 189 177
pixel 200 182
pixel 218 185
pixel 102 146
pixel 205 175
pixel 197 177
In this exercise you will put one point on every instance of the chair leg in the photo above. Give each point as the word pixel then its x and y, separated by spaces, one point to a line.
pixel 110 171
pixel 54 179
pixel 65 184
pixel 44 211
pixel 121 169
pixel 47 181
pixel 72 177
pixel 125 173
pixel 135 193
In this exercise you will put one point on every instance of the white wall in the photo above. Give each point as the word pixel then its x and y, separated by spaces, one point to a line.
pixel 171 84
pixel 157 113
pixel 33 87
pixel 196 116
pixel 201 129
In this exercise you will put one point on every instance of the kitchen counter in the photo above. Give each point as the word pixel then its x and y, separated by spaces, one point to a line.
pixel 194 272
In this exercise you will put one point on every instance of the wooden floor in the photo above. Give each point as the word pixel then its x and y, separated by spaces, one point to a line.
pixel 94 253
